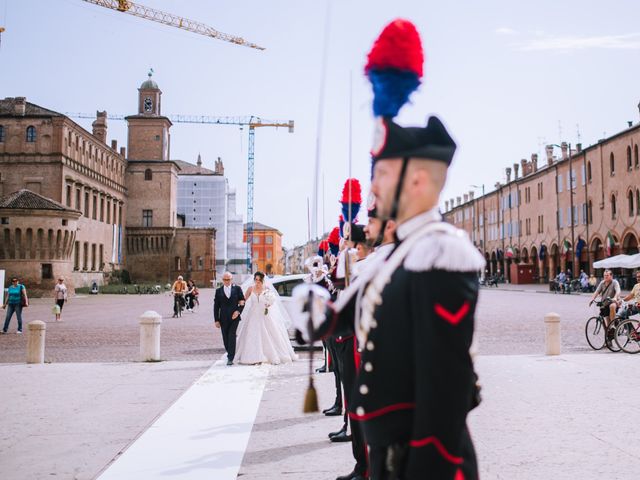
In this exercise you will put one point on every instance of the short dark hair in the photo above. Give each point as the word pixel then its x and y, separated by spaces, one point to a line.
pixel 260 275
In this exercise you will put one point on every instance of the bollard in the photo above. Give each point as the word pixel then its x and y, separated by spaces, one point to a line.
pixel 35 341
pixel 552 333
pixel 150 323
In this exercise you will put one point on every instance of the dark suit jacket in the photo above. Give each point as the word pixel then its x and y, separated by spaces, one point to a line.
pixel 224 307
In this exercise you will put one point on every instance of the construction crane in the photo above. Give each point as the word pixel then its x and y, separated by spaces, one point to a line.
pixel 126 6
pixel 250 121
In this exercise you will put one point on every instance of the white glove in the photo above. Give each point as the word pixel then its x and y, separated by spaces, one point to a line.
pixel 309 298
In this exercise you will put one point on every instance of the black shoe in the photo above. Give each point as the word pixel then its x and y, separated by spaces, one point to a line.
pixel 229 362
pixel 341 437
pixel 333 411
pixel 352 476
pixel 343 430
pixel 322 369
pixel 335 406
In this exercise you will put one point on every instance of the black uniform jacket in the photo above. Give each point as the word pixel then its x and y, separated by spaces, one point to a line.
pixel 416 382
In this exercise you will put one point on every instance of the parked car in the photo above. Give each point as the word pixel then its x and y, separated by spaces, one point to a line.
pixel 284 285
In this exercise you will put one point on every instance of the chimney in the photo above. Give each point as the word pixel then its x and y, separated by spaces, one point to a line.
pixel 20 106
pixel 565 148
pixel 199 162
pixel 629 123
pixel 219 167
pixel 466 197
pixel 578 147
pixel 534 162
pixel 471 194
pixel 458 201
pixel 526 167
pixel 123 152
pixel 515 171
pixel 549 151
pixel 100 126
pixel 508 172
pixel 451 203
pixel 114 144
pixel 446 205
pixel 497 185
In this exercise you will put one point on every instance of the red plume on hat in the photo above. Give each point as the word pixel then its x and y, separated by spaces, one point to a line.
pixel 334 241
pixel 323 248
pixel 351 199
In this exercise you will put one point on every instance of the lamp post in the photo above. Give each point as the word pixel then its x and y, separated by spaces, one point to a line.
pixel 484 219
pixel 573 240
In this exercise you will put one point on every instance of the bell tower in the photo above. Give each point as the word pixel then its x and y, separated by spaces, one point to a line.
pixel 148 137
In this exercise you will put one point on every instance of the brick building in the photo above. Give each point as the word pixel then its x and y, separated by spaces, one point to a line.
pixel 578 207
pixel 60 183
pixel 268 256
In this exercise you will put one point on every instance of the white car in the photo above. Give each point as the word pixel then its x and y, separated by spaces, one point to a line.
pixel 284 285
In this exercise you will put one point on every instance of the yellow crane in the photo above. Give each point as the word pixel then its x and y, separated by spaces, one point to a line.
pixel 126 6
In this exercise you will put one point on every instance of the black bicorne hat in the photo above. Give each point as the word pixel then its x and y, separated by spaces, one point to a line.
pixel 357 233
pixel 432 142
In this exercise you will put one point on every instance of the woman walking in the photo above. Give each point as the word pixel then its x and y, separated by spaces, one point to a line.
pixel 14 300
pixel 60 296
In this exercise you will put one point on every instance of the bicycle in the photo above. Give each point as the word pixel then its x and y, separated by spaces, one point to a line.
pixel 594 330
pixel 627 335
pixel 178 302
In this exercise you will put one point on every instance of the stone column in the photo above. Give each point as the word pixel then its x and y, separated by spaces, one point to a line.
pixel 150 323
pixel 552 334
pixel 35 341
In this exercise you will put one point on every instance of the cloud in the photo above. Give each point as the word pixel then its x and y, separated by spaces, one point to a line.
pixel 505 31
pixel 568 43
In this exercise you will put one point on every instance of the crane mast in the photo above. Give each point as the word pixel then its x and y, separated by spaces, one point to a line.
pixel 148 13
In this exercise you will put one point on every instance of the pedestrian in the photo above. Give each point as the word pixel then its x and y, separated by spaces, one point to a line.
pixel 417 383
pixel 15 300
pixel 189 295
pixel 178 290
pixel 60 297
pixel 228 304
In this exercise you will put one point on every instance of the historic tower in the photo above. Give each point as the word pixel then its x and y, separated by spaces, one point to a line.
pixel 148 137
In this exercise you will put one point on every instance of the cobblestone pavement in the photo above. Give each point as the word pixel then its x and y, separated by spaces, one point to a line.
pixel 104 328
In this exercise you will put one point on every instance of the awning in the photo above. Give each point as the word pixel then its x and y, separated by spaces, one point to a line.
pixel 619 261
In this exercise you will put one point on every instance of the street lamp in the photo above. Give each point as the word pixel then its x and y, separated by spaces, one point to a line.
pixel 571 193
pixel 484 219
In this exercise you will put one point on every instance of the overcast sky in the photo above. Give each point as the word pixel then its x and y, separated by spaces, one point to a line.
pixel 506 78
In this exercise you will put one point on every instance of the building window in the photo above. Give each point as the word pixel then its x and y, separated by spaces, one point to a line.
pixel 612 164
pixel 636 161
pixel 101 258
pixel 101 209
pixel 590 212
pixel 31 134
pixel 4 220
pixel 256 239
pixel 78 199
pixel 94 211
pixel 638 202
pixel 148 175
pixel 256 254
pixel 76 256
pixel 629 161
pixel 269 255
pixel 68 195
pixel 47 271
pixel 65 223
pixel 630 199
pixel 589 172
pixel 86 204
pixel 613 207
pixel 147 218
pixel 1 134
pixel 269 240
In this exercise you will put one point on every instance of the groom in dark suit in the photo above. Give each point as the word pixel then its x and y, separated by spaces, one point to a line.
pixel 227 307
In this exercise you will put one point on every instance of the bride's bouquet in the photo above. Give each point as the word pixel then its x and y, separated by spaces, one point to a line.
pixel 269 299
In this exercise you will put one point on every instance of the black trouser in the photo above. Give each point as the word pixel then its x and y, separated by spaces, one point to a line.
pixel 348 372
pixel 335 366
pixel 229 328
pixel 389 462
pixel 177 299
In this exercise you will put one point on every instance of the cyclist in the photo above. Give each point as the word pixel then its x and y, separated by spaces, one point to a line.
pixel 634 296
pixel 178 290
pixel 609 291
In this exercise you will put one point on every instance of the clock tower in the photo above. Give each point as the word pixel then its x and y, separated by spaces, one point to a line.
pixel 148 137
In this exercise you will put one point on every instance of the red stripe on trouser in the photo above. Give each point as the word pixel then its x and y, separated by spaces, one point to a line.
pixel 356 354
pixel 439 446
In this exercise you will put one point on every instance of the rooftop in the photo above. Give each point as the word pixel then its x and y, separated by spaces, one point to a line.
pixel 27 200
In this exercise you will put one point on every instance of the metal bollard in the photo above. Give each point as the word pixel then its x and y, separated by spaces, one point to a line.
pixel 150 323
pixel 552 334
pixel 35 341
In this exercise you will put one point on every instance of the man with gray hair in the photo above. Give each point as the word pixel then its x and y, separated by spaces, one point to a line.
pixel 228 304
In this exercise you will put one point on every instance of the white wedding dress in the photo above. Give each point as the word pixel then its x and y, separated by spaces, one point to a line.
pixel 263 338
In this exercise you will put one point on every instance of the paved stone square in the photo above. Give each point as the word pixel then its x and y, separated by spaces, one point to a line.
pixel 542 417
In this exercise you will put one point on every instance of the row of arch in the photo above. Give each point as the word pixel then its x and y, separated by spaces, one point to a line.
pixel 41 244
pixel 149 244
pixel 93 157
pixel 550 260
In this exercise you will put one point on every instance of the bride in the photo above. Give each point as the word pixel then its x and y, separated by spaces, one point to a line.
pixel 262 334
